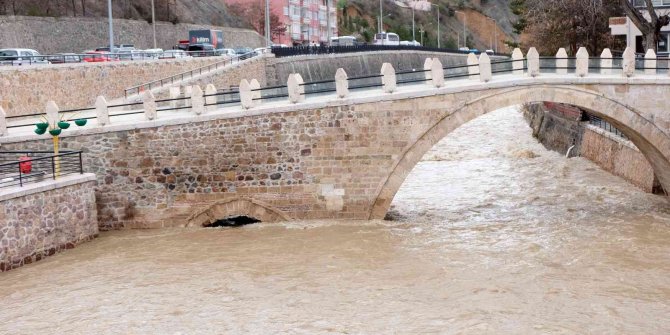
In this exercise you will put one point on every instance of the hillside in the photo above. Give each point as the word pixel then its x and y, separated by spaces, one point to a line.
pixel 210 12
pixel 360 19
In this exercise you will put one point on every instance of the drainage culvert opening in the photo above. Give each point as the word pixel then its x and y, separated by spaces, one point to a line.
pixel 234 221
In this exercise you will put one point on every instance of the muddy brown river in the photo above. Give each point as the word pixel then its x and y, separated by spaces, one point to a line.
pixel 491 234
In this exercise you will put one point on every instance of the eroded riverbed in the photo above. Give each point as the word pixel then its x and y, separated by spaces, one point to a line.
pixel 492 235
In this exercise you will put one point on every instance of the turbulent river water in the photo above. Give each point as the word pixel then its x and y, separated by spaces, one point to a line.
pixel 491 234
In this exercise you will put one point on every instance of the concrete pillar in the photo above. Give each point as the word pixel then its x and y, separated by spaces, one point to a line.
pixel 628 62
pixel 210 100
pixel 561 61
pixel 101 111
pixel 650 62
pixel 533 62
pixel 341 83
pixel 3 122
pixel 175 92
pixel 246 97
pixel 437 72
pixel 149 104
pixel 52 113
pixel 255 87
pixel 388 79
pixel 484 67
pixel 427 67
pixel 188 91
pixel 606 61
pixel 473 70
pixel 296 91
pixel 197 100
pixel 582 62
pixel 517 62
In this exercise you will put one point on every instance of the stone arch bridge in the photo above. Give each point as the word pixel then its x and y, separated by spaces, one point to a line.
pixel 338 153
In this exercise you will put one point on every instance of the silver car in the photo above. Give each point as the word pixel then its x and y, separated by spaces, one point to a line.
pixel 21 57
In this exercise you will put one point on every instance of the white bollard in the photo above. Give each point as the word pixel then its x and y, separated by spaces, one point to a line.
pixel 197 100
pixel 427 67
pixel 485 74
pixel 606 61
pixel 437 73
pixel 562 61
pixel 650 62
pixel 3 122
pixel 188 91
pixel 175 92
pixel 388 78
pixel 296 91
pixel 517 62
pixel 210 99
pixel 149 104
pixel 533 61
pixel 255 87
pixel 473 69
pixel 341 83
pixel 101 111
pixel 628 62
pixel 246 97
pixel 582 62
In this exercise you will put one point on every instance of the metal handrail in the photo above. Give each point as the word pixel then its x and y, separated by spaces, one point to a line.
pixel 34 169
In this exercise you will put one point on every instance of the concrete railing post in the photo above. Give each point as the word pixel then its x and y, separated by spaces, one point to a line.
pixel 606 61
pixel 561 61
pixel 296 90
pixel 473 68
pixel 437 72
pixel 3 122
pixel 175 92
pixel 255 87
pixel 188 91
pixel 427 67
pixel 101 111
pixel 628 62
pixel 517 62
pixel 484 67
pixel 52 113
pixel 149 104
pixel 341 83
pixel 650 62
pixel 582 62
pixel 197 100
pixel 246 97
pixel 388 78
pixel 210 99
pixel 533 61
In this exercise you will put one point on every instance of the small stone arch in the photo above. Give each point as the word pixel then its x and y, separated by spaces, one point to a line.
pixel 652 141
pixel 235 207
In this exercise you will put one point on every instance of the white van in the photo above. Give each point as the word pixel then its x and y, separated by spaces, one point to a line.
pixel 386 39
pixel 342 41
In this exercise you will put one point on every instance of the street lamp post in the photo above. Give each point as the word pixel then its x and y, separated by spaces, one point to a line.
pixel 465 36
pixel 153 21
pixel 421 31
pixel 413 29
pixel 381 16
pixel 494 43
pixel 267 23
pixel 111 26
pixel 439 37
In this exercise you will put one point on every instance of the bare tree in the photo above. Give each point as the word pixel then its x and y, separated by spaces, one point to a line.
pixel 651 29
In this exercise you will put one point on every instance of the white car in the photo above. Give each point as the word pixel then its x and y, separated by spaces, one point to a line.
pixel 21 57
pixel 174 54
pixel 412 43
pixel 226 52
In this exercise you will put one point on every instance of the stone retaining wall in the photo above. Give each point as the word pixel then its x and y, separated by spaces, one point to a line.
pixel 42 219
pixel 50 35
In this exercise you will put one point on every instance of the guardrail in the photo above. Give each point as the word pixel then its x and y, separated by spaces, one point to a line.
pixel 319 50
pixel 18 168
pixel 189 74
pixel 102 56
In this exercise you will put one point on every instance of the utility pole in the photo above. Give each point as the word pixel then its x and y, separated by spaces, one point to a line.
pixel 153 21
pixel 111 26
pixel 268 38
pixel 439 37
pixel 465 36
pixel 328 23
pixel 381 16
pixel 413 30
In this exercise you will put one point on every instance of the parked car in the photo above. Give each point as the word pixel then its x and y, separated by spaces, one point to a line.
pixel 97 57
pixel 464 49
pixel 21 57
pixel 167 54
pixel 152 53
pixel 64 58
pixel 476 51
pixel 201 50
pixel 489 51
pixel 244 53
pixel 411 43
pixel 225 52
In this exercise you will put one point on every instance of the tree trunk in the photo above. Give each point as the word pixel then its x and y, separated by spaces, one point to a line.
pixel 650 41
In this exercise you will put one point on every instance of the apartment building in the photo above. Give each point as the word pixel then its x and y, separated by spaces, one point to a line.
pixel 306 21
pixel 623 26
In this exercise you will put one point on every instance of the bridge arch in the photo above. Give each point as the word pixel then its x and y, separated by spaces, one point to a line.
pixel 652 141
pixel 235 207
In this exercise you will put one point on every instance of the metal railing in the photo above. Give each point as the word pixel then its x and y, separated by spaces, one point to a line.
pixel 602 124
pixel 103 56
pixel 18 168
pixel 320 50
pixel 188 74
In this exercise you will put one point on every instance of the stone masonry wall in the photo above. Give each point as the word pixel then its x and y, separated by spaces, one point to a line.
pixel 38 225
pixel 26 90
pixel 67 34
